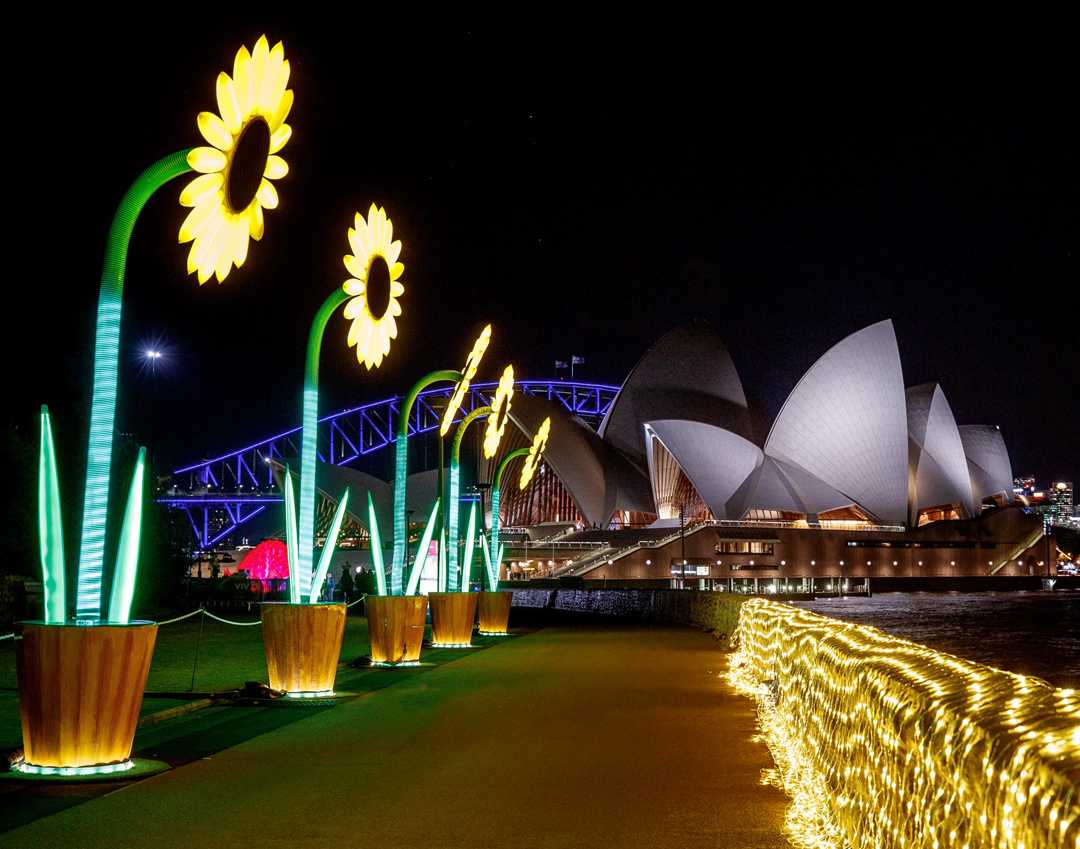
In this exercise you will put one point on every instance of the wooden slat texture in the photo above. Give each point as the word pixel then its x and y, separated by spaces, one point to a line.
pixel 303 645
pixel 396 627
pixel 452 617
pixel 494 610
pixel 80 691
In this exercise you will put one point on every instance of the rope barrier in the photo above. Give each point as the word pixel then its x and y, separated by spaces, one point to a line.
pixel 229 621
pixel 180 618
pixel 184 616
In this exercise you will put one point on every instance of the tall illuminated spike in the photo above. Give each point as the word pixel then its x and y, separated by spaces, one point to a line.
pixel 376 548
pixel 127 555
pixel 328 548
pixel 422 551
pixel 470 537
pixel 103 405
pixel 401 472
pixel 290 538
pixel 50 527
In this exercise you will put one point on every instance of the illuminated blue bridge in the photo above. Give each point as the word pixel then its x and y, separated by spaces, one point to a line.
pixel 222 494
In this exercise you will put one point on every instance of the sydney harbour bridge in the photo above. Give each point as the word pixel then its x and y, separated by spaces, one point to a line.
pixel 221 495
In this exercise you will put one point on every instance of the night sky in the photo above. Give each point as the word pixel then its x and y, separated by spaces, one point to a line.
pixel 582 199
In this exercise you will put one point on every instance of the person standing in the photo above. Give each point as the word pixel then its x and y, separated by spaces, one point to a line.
pixel 346 582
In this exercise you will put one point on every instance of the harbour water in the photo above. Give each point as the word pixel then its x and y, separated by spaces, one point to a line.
pixel 1032 633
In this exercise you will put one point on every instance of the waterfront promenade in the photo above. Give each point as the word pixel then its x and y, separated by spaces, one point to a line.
pixel 565 737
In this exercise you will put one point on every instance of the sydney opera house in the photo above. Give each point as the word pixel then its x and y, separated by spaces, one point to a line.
pixel 858 476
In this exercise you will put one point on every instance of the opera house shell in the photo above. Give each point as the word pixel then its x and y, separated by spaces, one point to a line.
pixel 851 445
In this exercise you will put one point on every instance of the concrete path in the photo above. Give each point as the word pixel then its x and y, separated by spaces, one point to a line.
pixel 568 737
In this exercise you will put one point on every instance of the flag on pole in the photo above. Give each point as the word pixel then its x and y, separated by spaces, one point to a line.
pixel 560 364
pixel 577 361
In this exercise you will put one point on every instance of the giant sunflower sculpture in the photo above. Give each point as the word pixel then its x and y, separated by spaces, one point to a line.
pixel 375 285
pixel 236 171
pixel 536 452
pixel 500 413
pixel 472 363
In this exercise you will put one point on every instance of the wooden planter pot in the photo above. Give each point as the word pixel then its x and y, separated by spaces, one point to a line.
pixel 452 618
pixel 80 691
pixel 495 612
pixel 303 645
pixel 396 627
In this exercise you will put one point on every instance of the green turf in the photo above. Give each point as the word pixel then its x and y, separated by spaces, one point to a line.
pixel 228 655
pixel 203 733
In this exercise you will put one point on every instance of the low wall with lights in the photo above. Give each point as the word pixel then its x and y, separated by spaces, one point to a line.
pixel 711 611
pixel 882 742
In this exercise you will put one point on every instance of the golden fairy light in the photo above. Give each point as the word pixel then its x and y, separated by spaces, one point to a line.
pixel 883 743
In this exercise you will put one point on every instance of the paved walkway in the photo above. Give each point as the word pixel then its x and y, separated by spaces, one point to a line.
pixel 567 737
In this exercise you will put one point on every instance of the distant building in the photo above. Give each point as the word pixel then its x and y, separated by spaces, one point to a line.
pixel 1024 485
pixel 1060 498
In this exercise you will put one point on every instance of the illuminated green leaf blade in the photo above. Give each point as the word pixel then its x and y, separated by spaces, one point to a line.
pixel 328 549
pixel 376 548
pixel 127 554
pixel 422 552
pixel 290 539
pixel 50 526
pixel 470 539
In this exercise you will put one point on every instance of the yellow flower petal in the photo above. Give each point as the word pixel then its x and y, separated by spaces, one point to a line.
pixel 213 129
pixel 394 252
pixel 276 168
pixel 395 308
pixel 267 195
pixel 396 289
pixel 356 269
pixel 279 137
pixel 256 222
pixel 260 66
pixel 228 105
pixel 396 270
pixel 196 221
pixel 281 112
pixel 224 258
pixel 242 227
pixel 206 160
pixel 277 54
pixel 242 80
pixel 200 188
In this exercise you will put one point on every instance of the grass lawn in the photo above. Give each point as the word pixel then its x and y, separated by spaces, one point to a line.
pixel 228 656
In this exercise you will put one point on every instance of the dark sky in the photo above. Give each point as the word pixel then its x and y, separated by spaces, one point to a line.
pixel 582 197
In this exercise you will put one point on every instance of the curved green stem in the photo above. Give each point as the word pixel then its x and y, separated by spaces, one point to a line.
pixel 106 356
pixel 453 508
pixel 496 487
pixel 401 471
pixel 309 442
